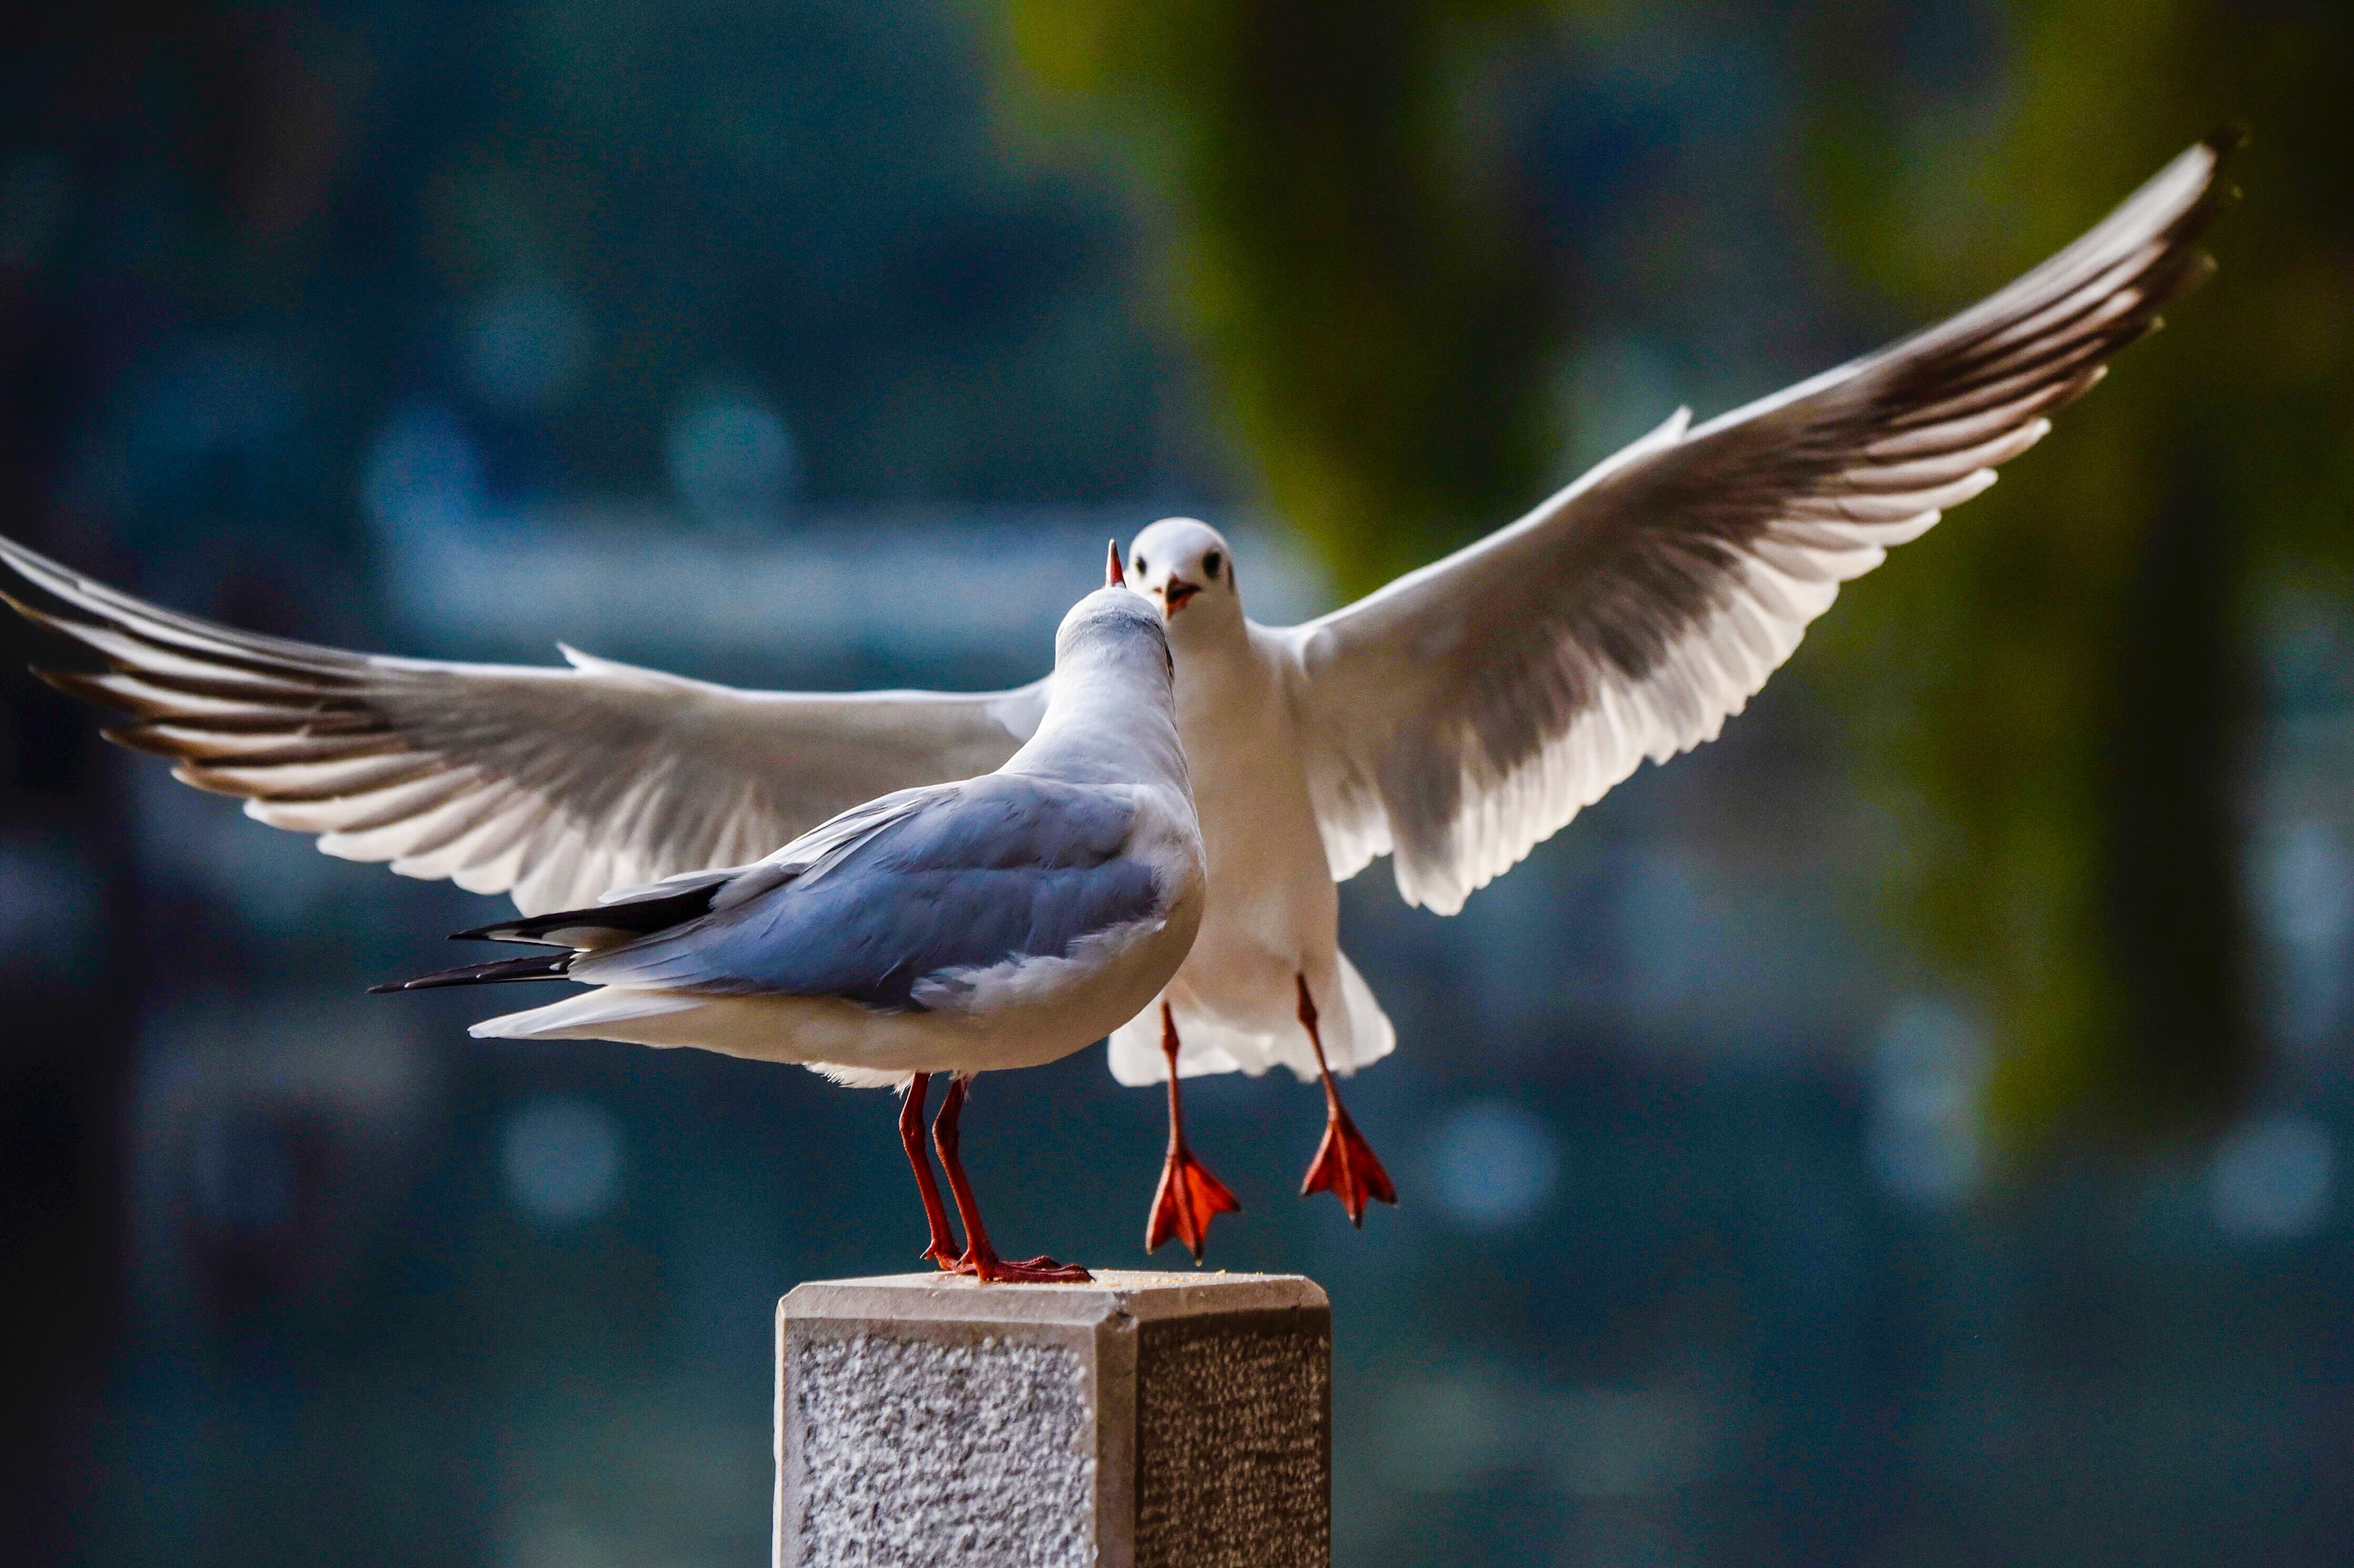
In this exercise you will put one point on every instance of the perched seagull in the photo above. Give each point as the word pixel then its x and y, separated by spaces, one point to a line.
pixel 1454 718
pixel 1003 921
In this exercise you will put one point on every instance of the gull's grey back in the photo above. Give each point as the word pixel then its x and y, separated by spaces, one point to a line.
pixel 1003 868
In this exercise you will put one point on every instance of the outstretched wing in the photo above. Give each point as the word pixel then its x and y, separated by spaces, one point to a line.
pixel 1467 711
pixel 553 784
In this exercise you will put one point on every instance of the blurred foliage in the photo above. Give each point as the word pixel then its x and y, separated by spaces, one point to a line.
pixel 1382 315
pixel 2058 696
pixel 2055 699
pixel 564 222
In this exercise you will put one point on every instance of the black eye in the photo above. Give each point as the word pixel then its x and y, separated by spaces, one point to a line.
pixel 1211 562
pixel 1141 567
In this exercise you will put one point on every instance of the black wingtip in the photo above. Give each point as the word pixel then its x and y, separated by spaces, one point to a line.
pixel 630 917
pixel 519 933
pixel 552 967
pixel 2227 138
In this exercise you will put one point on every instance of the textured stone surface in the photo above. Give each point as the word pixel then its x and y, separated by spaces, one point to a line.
pixel 1231 1469
pixel 1142 1421
pixel 919 1451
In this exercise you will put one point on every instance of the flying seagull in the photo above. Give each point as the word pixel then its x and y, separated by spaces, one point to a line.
pixel 1460 716
pixel 1454 718
pixel 1464 714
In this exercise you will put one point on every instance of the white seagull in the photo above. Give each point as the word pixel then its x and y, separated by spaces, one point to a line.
pixel 1464 714
pixel 1001 922
pixel 1454 719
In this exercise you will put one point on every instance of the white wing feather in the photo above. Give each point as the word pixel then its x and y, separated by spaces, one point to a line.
pixel 1467 711
pixel 553 784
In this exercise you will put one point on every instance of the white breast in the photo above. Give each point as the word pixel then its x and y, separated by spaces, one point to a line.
pixel 1271 892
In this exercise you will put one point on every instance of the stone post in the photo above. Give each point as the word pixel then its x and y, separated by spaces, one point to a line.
pixel 1145 1420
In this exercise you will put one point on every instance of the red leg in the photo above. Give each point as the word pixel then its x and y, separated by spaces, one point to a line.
pixel 1344 1164
pixel 1189 1197
pixel 943 1248
pixel 980 1259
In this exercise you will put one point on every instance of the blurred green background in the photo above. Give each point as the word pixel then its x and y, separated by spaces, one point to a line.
pixel 1907 1131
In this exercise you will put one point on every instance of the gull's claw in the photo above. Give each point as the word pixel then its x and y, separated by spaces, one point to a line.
pixel 1188 1200
pixel 1345 1167
pixel 991 1270
pixel 1189 1197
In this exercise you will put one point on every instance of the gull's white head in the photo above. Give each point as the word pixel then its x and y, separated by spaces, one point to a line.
pixel 1113 624
pixel 1111 708
pixel 1187 569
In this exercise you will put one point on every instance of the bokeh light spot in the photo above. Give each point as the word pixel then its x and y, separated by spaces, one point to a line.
pixel 731 458
pixel 1495 1164
pixel 2273 1179
pixel 562 1157
pixel 525 347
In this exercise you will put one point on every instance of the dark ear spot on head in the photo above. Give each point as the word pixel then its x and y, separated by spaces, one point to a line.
pixel 1212 561
pixel 1141 567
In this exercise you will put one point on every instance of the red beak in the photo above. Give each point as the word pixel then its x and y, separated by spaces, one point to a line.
pixel 1114 574
pixel 1175 594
